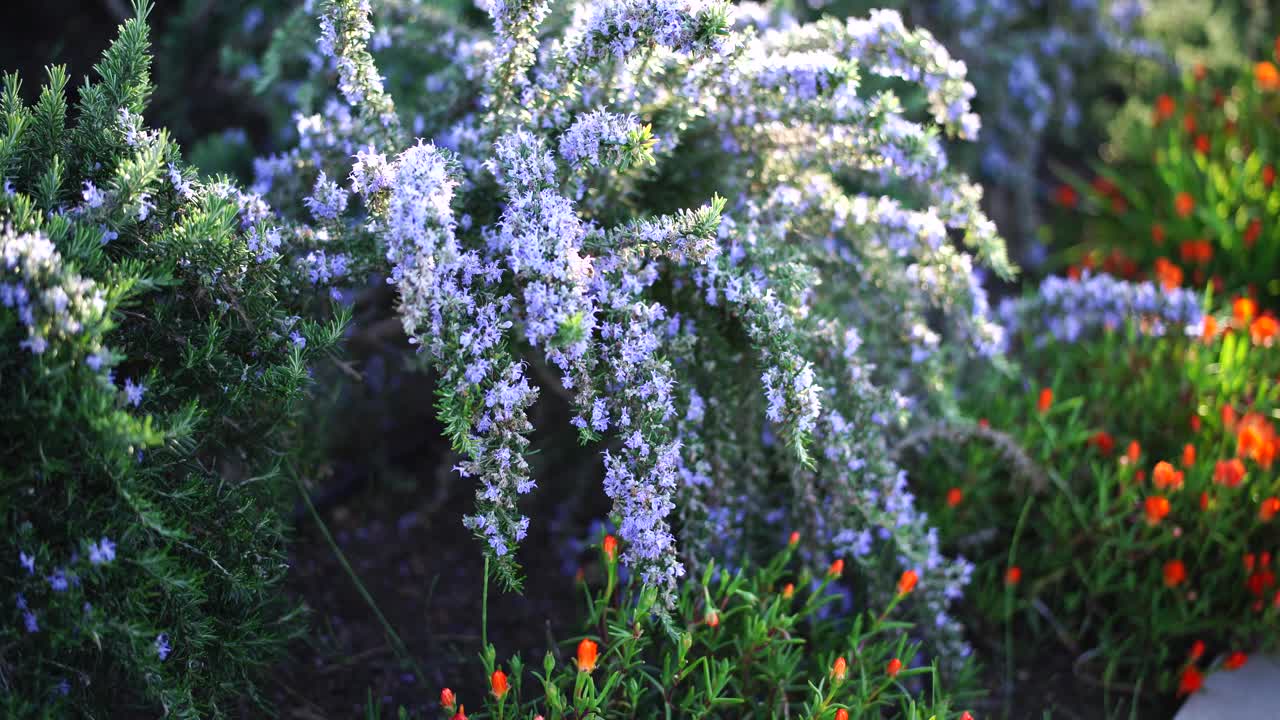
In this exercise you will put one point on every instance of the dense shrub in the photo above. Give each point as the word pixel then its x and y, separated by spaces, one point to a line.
pixel 1138 528
pixel 759 642
pixel 1199 205
pixel 155 356
pixel 741 364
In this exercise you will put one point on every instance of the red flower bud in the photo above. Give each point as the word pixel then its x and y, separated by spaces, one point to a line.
pixel 895 667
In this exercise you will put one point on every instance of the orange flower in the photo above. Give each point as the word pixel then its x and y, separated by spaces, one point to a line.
pixel 1256 439
pixel 794 539
pixel 1252 232
pixel 1235 661
pixel 1184 204
pixel 1228 417
pixel 447 700
pixel 1229 472
pixel 1264 330
pixel 1188 455
pixel 1165 107
pixel 1045 400
pixel 836 569
pixel 1266 75
pixel 1103 441
pixel 895 667
pixel 587 653
pixel 610 547
pixel 1013 576
pixel 1165 477
pixel 1205 502
pixel 1158 235
pixel 789 590
pixel 1157 508
pixel 1268 175
pixel 1169 275
pixel 1243 309
pixel 1175 573
pixel 461 714
pixel 1207 334
pixel 842 714
pixel 712 619
pixel 1190 682
pixel 1195 419
pixel 498 683
pixel 1270 507
pixel 839 669
pixel 907 582
pixel 954 496
pixel 1197 651
pixel 1202 144
pixel 1133 452
pixel 965 715
pixel 1066 196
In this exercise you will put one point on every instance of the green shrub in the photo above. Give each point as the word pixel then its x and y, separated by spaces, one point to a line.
pixel 154 366
pixel 1137 520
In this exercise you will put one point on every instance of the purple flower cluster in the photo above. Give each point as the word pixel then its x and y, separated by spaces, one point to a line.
pixel 1074 309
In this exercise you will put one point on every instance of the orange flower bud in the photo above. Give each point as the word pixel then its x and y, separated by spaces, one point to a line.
pixel 1270 507
pixel 587 651
pixel 1197 651
pixel 1229 472
pixel 907 582
pixel 842 714
pixel 1191 681
pixel 965 715
pixel 1045 400
pixel 1175 573
pixel 1267 76
pixel 1066 196
pixel 1235 661
pixel 954 496
pixel 1195 419
pixel 839 669
pixel 1243 309
pixel 895 667
pixel 1133 452
pixel 447 699
pixel 1157 508
pixel 1202 144
pixel 1252 232
pixel 1264 330
pixel 461 714
pixel 1184 204
pixel 1013 576
pixel 1188 455
pixel 789 590
pixel 498 683
pixel 1103 441
pixel 610 548
pixel 794 539
pixel 836 569
pixel 1268 175
pixel 713 619
pixel 1165 107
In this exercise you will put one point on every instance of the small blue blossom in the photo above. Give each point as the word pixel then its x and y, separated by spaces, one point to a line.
pixel 103 551
pixel 28 562
pixel 162 646
pixel 133 392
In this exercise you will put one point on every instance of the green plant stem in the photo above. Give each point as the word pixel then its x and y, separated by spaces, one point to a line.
pixel 484 606
pixel 401 649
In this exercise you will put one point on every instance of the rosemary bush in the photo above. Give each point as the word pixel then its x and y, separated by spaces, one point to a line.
pixel 156 352
pixel 737 252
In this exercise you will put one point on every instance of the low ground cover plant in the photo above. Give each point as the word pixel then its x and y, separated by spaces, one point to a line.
pixel 759 642
pixel 155 357
pixel 1197 205
pixel 1139 530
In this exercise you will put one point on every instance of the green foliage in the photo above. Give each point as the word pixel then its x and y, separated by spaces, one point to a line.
pixel 148 517
pixel 1195 200
pixel 1134 421
pixel 759 642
